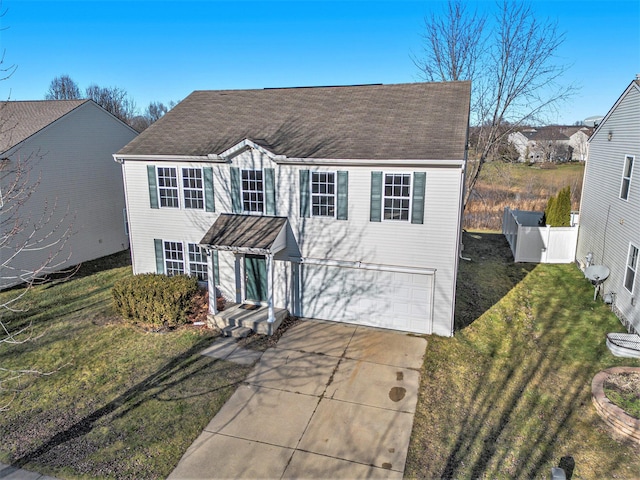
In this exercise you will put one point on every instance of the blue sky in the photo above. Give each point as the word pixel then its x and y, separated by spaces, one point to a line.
pixel 163 50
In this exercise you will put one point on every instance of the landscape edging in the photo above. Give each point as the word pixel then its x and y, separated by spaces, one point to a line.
pixel 622 424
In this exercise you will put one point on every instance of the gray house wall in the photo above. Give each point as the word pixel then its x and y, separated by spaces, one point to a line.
pixel 80 186
pixel 608 223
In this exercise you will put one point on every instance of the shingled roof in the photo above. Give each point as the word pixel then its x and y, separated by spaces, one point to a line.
pixel 402 121
pixel 21 119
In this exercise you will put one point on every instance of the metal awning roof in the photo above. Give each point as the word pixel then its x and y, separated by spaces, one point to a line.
pixel 247 234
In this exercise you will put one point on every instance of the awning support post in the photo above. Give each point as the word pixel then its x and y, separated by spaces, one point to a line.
pixel 211 284
pixel 271 315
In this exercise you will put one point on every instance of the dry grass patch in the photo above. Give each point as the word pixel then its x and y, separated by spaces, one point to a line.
pixel 520 187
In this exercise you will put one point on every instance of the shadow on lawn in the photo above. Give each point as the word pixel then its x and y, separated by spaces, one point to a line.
pixel 487 277
pixel 528 372
pixel 171 375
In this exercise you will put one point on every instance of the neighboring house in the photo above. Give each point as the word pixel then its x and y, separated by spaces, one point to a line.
pixel 554 143
pixel 59 152
pixel 336 203
pixel 610 208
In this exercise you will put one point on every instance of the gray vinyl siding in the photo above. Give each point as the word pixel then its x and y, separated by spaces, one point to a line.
pixel 80 184
pixel 608 223
pixel 430 245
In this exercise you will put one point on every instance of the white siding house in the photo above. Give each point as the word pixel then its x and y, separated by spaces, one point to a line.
pixel 610 209
pixel 336 203
pixel 69 202
pixel 551 143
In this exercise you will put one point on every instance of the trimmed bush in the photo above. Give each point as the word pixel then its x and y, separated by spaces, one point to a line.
pixel 154 299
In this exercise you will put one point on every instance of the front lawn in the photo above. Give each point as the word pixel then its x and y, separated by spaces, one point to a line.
pixel 122 403
pixel 510 395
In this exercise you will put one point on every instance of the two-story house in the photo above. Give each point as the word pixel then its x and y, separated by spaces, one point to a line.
pixel 61 195
pixel 335 203
pixel 609 232
pixel 553 143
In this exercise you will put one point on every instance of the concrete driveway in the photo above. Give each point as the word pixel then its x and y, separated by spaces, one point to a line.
pixel 329 401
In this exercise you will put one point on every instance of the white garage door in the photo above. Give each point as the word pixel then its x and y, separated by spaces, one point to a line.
pixel 386 299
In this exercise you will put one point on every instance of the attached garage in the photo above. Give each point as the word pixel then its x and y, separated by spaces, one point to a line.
pixel 375 295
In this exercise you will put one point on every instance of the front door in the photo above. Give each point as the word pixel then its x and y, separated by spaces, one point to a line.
pixel 255 276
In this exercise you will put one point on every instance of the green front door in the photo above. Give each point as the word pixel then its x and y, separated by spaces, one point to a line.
pixel 255 275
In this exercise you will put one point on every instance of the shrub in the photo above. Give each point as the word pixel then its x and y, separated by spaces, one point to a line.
pixel 558 211
pixel 154 299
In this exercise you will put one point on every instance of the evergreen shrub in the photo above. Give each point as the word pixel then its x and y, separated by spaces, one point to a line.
pixel 154 299
pixel 558 210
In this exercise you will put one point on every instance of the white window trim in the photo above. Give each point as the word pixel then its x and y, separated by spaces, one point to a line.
pixel 630 177
pixel 335 194
pixel 158 187
pixel 180 180
pixel 164 255
pixel 186 267
pixel 384 174
pixel 202 189
pixel 629 267
pixel 188 261
pixel 242 191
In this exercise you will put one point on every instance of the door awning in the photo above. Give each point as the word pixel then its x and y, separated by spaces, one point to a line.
pixel 247 234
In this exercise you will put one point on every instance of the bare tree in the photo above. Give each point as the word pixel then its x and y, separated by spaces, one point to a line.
pixel 114 100
pixel 63 88
pixel 154 112
pixel 452 44
pixel 512 66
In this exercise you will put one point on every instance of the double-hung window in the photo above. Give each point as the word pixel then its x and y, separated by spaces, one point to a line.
pixel 252 191
pixel 626 177
pixel 397 196
pixel 181 187
pixel 174 262
pixel 173 258
pixel 168 187
pixel 632 268
pixel 193 188
pixel 197 262
pixel 323 194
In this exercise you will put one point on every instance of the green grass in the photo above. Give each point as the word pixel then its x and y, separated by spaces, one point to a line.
pixel 628 401
pixel 510 395
pixel 121 403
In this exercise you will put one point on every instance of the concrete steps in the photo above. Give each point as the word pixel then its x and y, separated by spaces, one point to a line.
pixel 236 332
pixel 249 317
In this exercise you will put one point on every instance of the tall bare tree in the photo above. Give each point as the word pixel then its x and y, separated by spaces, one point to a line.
pixel 452 44
pixel 63 88
pixel 114 100
pixel 511 62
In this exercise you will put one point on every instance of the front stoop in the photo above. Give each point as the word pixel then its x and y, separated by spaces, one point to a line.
pixel 253 319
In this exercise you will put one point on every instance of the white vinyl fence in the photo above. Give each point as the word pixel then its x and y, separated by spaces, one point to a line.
pixel 532 243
